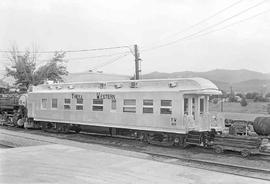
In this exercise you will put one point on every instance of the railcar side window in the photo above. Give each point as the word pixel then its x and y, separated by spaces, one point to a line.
pixel 166 107
pixel 193 108
pixel 79 105
pixel 113 104
pixel 79 101
pixel 186 106
pixel 129 105
pixel 97 105
pixel 67 102
pixel 54 103
pixel 201 105
pixel 44 103
pixel 148 106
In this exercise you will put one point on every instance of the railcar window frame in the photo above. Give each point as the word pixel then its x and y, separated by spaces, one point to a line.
pixel 54 105
pixel 113 105
pixel 148 108
pixel 193 107
pixel 129 105
pixel 79 104
pixel 186 106
pixel 165 106
pixel 201 105
pixel 67 104
pixel 46 103
pixel 97 104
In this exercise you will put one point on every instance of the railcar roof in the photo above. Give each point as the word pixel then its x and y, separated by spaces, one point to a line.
pixel 185 85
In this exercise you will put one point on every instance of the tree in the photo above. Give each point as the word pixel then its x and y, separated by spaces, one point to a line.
pixel 53 70
pixel 267 95
pixel 240 95
pixel 243 102
pixel 268 108
pixel 252 95
pixel 25 72
pixel 260 98
pixel 22 67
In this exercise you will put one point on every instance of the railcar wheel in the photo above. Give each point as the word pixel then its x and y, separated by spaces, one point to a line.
pixel 20 122
pixel 49 126
pixel 245 153
pixel 176 141
pixel 43 126
pixel 218 149
pixel 146 138
pixel 65 129
pixel 77 130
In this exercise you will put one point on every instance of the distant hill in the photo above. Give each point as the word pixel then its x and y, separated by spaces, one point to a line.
pixel 228 76
pixel 239 80
pixel 252 85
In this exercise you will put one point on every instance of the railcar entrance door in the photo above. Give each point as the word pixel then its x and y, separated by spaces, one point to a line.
pixel 190 106
pixel 190 115
pixel 195 112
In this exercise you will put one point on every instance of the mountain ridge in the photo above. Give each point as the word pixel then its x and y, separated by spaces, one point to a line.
pixel 242 80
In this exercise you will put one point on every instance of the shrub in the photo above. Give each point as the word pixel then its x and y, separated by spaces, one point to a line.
pixel 240 95
pixel 252 95
pixel 267 95
pixel 268 108
pixel 243 102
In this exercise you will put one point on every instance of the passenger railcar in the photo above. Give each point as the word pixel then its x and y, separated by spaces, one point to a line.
pixel 169 107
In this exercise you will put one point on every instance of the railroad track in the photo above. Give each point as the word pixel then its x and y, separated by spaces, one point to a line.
pixel 246 171
pixel 238 170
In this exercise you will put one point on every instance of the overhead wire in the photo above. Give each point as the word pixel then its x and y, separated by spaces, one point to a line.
pixel 109 62
pixel 40 62
pixel 207 18
pixel 74 51
pixel 97 56
pixel 87 57
pixel 204 29
pixel 235 23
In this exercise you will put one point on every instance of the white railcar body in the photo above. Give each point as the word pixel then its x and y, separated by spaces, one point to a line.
pixel 165 105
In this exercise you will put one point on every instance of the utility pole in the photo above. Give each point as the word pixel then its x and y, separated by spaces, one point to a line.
pixel 137 63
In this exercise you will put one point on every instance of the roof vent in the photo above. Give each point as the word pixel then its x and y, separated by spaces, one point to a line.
pixel 49 82
pixel 58 87
pixel 133 84
pixel 172 84
pixel 102 85
pixel 70 87
pixel 117 86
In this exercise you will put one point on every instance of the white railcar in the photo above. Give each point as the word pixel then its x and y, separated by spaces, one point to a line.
pixel 159 105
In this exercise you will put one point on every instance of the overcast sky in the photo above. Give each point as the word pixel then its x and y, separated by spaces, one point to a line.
pixel 86 24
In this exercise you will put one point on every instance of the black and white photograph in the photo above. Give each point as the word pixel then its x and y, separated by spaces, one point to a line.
pixel 134 91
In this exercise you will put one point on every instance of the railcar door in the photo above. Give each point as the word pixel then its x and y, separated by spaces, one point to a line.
pixel 195 112
pixel 190 106
pixel 189 112
pixel 31 109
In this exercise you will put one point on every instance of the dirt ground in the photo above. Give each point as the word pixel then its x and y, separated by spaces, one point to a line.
pixel 235 107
